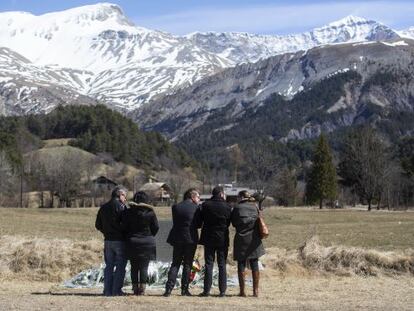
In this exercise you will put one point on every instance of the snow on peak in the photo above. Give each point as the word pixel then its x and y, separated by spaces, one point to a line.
pixel 96 12
pixel 128 65
pixel 85 37
pixel 349 20
pixel 407 33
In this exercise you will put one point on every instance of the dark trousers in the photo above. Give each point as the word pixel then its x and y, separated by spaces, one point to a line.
pixel 139 270
pixel 115 258
pixel 182 253
pixel 254 264
pixel 209 254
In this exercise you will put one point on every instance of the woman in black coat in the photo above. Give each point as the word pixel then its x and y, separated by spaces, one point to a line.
pixel 247 242
pixel 141 225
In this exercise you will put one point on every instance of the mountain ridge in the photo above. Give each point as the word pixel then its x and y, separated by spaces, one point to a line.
pixel 125 66
pixel 250 85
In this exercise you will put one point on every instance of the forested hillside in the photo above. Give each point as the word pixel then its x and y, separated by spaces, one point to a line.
pixel 96 129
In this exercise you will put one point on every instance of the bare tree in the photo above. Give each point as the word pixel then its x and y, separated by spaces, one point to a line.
pixel 285 185
pixel 181 181
pixel 7 177
pixel 262 165
pixel 392 186
pixel 62 173
pixel 364 164
pixel 237 158
pixel 25 143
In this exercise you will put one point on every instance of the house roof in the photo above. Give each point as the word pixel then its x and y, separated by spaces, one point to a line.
pixel 104 180
pixel 155 186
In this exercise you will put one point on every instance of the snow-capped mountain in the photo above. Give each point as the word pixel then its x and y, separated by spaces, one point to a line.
pixel 25 88
pixel 96 51
pixel 129 64
pixel 245 47
pixel 76 38
pixel 407 33
pixel 383 81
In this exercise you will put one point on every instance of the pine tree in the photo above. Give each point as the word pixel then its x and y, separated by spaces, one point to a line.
pixel 321 183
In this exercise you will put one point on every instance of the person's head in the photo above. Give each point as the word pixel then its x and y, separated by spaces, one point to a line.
pixel 141 197
pixel 259 196
pixel 120 192
pixel 193 195
pixel 244 194
pixel 218 191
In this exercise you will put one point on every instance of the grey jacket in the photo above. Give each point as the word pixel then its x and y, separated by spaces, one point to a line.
pixel 247 241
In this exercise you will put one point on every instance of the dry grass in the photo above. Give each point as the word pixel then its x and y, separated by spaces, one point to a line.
pixel 56 142
pixel 50 260
pixel 326 273
pixel 313 258
pixel 62 223
pixel 75 224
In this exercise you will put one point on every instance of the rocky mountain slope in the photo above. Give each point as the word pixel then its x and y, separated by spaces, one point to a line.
pixel 385 72
pixel 95 52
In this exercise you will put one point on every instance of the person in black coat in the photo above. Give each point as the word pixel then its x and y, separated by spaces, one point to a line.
pixel 141 226
pixel 247 242
pixel 108 221
pixel 214 218
pixel 183 237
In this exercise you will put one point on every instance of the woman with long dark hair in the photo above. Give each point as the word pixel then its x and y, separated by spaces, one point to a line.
pixel 248 245
pixel 141 226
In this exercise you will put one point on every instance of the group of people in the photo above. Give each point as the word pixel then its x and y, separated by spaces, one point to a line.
pixel 129 234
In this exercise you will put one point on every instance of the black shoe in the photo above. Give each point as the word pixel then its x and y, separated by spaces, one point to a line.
pixel 223 294
pixel 185 292
pixel 121 293
pixel 167 293
pixel 203 294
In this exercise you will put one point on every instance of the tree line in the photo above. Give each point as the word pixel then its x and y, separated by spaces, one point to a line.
pixel 96 129
pixel 371 170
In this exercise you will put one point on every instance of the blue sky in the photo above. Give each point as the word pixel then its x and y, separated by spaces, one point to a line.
pixel 259 16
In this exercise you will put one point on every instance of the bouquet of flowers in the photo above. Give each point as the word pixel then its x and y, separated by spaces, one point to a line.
pixel 196 267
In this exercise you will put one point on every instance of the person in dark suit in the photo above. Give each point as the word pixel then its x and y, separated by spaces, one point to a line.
pixel 184 238
pixel 214 218
pixel 141 225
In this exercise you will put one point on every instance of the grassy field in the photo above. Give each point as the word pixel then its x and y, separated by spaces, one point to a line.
pixel 289 227
pixel 61 223
pixel 41 247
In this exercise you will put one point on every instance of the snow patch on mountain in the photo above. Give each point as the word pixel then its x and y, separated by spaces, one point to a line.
pixel 96 51
pixel 398 43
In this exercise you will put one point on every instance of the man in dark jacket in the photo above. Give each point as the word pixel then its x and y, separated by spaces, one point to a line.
pixel 183 237
pixel 108 221
pixel 215 220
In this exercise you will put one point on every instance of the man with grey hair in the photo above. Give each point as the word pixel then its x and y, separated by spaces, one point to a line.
pixel 108 221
